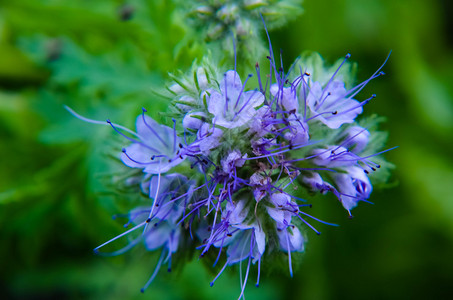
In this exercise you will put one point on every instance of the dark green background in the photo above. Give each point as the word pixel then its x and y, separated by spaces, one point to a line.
pixel 55 205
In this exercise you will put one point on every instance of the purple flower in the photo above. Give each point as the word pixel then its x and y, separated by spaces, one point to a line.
pixel 282 209
pixel 315 183
pixel 334 156
pixel 286 97
pixel 289 236
pixel 208 138
pixel 297 130
pixel 171 194
pixel 232 160
pixel 155 149
pixel 193 120
pixel 356 139
pixel 261 185
pixel 331 105
pixel 233 107
pixel 353 186
pixel 244 238
pixel 159 232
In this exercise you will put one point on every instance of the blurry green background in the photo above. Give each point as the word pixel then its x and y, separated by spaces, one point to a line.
pixel 104 59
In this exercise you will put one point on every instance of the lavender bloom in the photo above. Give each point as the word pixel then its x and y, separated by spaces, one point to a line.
pixel 354 186
pixel 249 241
pixel 287 96
pixel 248 151
pixel 261 185
pixel 159 232
pixel 334 156
pixel 331 105
pixel 244 240
pixel 155 151
pixel 314 182
pixel 233 107
pixel 171 194
pixel 234 159
pixel 193 120
pixel 356 139
pixel 208 137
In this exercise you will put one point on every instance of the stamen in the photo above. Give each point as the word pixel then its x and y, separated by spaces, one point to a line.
pixel 159 263
pixel 259 272
pixel 257 68
pixel 152 129
pixel 129 138
pixel 242 90
pixel 218 274
pixel 119 236
pixel 154 202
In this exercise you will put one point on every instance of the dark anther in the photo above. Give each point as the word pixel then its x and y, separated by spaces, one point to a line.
pixel 373 169
pixel 180 145
pixel 307 74
pixel 280 69
pixel 257 65
pixel 180 156
pixel 229 234
pixel 348 56
pixel 123 150
pixel 144 109
pixel 148 220
pixel 108 121
pixel 268 57
pixel 153 157
pixel 292 111
pixel 366 172
pixel 335 112
pixel 169 270
pixel 378 166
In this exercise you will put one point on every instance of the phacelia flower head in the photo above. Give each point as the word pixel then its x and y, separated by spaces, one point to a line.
pixel 232 175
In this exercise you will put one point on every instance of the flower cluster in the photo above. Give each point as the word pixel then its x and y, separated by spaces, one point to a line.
pixel 223 177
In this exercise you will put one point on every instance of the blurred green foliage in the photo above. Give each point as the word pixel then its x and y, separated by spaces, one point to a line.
pixel 105 59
